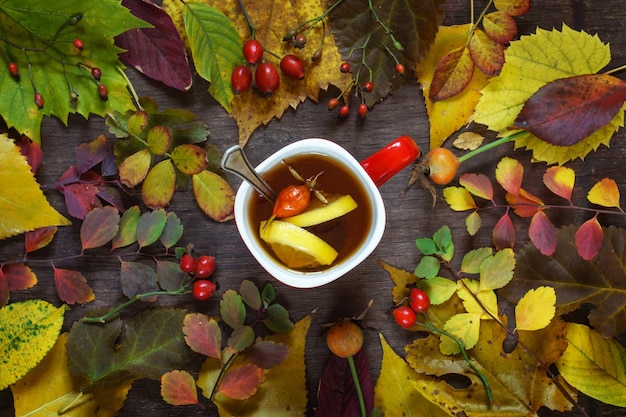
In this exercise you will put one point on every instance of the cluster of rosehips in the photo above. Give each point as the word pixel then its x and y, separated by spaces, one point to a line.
pixel 266 79
pixel 202 268
pixel 406 316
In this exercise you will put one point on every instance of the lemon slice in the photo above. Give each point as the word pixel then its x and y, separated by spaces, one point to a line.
pixel 318 212
pixel 296 247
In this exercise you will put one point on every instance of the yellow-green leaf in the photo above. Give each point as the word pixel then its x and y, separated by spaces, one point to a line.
pixel 159 185
pixel 135 168
pixel 459 199
pixel 50 387
pixel 469 290
pixel 466 327
pixel 159 139
pixel 594 365
pixel 604 193
pixel 496 271
pixel 23 206
pixel 28 331
pixel 535 309
pixel 214 195
pixel 189 159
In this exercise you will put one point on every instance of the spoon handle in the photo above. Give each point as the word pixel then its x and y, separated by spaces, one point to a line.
pixel 234 160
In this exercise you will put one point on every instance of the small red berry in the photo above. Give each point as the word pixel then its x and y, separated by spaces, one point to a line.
pixel 39 101
pixel 203 289
pixel 187 263
pixel 344 110
pixel 399 68
pixel 344 67
pixel 419 300
pixel 241 79
pixel 78 44
pixel 404 316
pixel 266 78
pixel 205 265
pixel 252 51
pixel 333 103
pixel 292 67
pixel 362 109
pixel 103 92
pixel 15 72
pixel 96 73
pixel 299 41
pixel 368 86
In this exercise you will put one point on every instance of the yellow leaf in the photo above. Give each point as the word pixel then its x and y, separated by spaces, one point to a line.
pixel 486 296
pixel 594 365
pixel 29 330
pixel 466 327
pixel 605 193
pixel 158 187
pixel 395 391
pixel 468 141
pixel 23 207
pixel 535 309
pixel 532 62
pixel 402 280
pixel 50 387
pixel 448 116
pixel 135 168
pixel 459 199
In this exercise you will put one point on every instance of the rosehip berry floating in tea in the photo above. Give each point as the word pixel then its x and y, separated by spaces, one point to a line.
pixel 292 200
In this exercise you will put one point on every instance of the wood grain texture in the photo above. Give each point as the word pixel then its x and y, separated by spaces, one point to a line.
pixel 410 215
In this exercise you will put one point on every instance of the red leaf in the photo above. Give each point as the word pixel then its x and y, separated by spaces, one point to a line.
pixel 39 238
pixel 267 354
pixel 80 199
pixel 500 26
pixel 91 154
pixel 203 335
pixel 32 151
pixel 337 396
pixel 19 276
pixel 478 184
pixel 242 382
pixel 99 227
pixel 4 289
pixel 589 238
pixel 504 233
pixel 72 286
pixel 543 233
pixel 567 110
pixel 453 73
pixel 524 203
pixel 179 388
pixel 157 52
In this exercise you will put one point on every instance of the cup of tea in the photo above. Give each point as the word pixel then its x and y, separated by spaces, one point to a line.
pixel 335 173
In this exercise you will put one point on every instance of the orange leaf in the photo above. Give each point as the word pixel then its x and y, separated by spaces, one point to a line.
pixel 478 185
pixel 543 233
pixel 504 233
pixel 487 54
pixel 179 388
pixel 589 238
pixel 605 193
pixel 19 276
pixel 560 180
pixel 39 238
pixel 509 174
pixel 72 286
pixel 500 26
pixel 513 7
pixel 524 204
pixel 241 383
pixel 453 73
pixel 203 335
pixel 567 110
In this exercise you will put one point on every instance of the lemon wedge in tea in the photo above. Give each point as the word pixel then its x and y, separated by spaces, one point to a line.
pixel 318 212
pixel 296 247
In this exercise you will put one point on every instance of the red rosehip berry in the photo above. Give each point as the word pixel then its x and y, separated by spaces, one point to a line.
pixel 399 68
pixel 419 300
pixel 241 79
pixel 292 67
pixel 203 289
pixel 96 73
pixel 368 86
pixel 344 67
pixel 333 103
pixel 78 44
pixel 266 78
pixel 299 41
pixel 187 263
pixel 404 316
pixel 39 101
pixel 252 51
pixel 205 265
pixel 344 110
pixel 14 70
pixel 362 109
pixel 103 92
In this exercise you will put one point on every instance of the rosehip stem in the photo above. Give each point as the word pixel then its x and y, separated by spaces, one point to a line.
pixel 248 20
pixel 491 145
pixel 357 385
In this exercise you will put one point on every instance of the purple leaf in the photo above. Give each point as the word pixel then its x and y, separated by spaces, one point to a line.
pixel 157 52
pixel 91 154
pixel 337 396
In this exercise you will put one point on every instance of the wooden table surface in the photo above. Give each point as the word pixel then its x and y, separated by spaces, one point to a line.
pixel 410 215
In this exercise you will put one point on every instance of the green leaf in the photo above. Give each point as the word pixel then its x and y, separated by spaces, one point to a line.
pixel 29 330
pixel 153 345
pixel 250 294
pixel 189 159
pixel 439 289
pixel 99 227
pixel 214 195
pixel 215 46
pixel 277 319
pixel 169 275
pixel 473 259
pixel 54 68
pixel 159 139
pixel 159 185
pixel 232 309
pixel 150 227
pixel 23 207
pixel 127 231
pixel 428 267
pixel 137 278
pixel 594 365
pixel 442 237
pixel 240 339
pixel 172 232
pixel 268 295
pixel 426 245
pixel 496 271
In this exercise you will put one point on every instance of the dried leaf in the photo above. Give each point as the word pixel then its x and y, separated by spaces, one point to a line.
pixel 468 141
pixel 214 196
pixel 605 193
pixel 542 233
pixel 500 26
pixel 452 75
pixel 179 388
pixel 588 239
pixel 487 54
pixel 535 309
pixel 266 354
pixel 504 235
pixel 567 110
pixel 99 227
pixel 72 286
pixel 402 280
pixel 478 184
pixel 560 180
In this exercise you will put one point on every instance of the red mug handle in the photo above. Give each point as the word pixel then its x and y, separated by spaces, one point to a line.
pixel 391 159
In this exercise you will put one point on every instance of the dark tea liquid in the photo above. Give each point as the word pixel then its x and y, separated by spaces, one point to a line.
pixel 346 233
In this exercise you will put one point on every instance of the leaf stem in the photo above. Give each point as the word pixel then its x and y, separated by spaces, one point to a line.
pixel 357 385
pixel 71 403
pixel 491 145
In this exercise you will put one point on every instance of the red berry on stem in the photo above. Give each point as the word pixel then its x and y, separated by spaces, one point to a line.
pixel 333 103
pixel 266 78
pixel 292 67
pixel 299 41
pixel 96 73
pixel 368 86
pixel 344 67
pixel 362 109
pixel 78 44
pixel 344 110
pixel 187 263
pixel 252 51
pixel 39 101
pixel 399 68
pixel 404 316
pixel 205 265
pixel 14 70
pixel 241 79
pixel 203 289
pixel 103 92
pixel 419 300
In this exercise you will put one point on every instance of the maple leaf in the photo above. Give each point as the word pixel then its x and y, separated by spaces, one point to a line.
pixel 40 43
